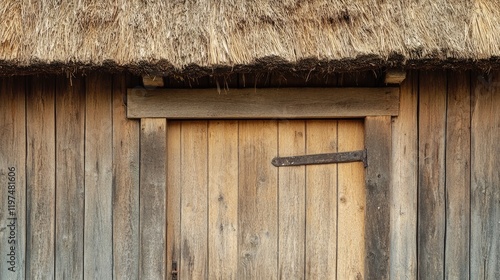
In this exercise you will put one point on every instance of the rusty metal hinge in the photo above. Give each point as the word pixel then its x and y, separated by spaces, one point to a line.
pixel 174 270
pixel 322 159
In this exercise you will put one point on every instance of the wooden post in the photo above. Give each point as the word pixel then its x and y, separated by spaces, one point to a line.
pixel 378 174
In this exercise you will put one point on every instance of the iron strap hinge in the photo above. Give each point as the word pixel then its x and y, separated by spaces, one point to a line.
pixel 322 159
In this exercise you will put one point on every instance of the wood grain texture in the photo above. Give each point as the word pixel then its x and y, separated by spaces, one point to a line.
pixel 125 186
pixel 351 197
pixel 263 103
pixel 40 178
pixel 378 175
pixel 258 201
pixel 98 230
pixel 291 203
pixel 173 196
pixel 194 201
pixel 223 199
pixel 485 177
pixel 152 214
pixel 431 189
pixel 70 177
pixel 404 174
pixel 13 157
pixel 321 203
pixel 458 120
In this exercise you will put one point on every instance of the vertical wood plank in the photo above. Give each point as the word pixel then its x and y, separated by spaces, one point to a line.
pixel 258 201
pixel 152 215
pixel 125 186
pixel 431 192
pixel 194 208
pixel 291 193
pixel 40 179
pixel 378 174
pixel 321 203
pixel 70 175
pixel 351 205
pixel 457 176
pixel 12 178
pixel 404 183
pixel 98 232
pixel 173 195
pixel 485 178
pixel 223 199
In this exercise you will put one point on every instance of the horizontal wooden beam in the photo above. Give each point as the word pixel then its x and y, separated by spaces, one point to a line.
pixel 268 103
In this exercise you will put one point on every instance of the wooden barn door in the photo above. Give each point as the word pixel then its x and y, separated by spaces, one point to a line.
pixel 232 215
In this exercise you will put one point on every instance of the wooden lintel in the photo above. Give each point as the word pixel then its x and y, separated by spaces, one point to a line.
pixel 393 76
pixel 269 103
pixel 152 81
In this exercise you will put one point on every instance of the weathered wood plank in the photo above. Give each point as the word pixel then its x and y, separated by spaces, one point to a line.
pixel 321 203
pixel 263 103
pixel 40 178
pixel 258 201
pixel 404 183
pixel 152 214
pixel 292 191
pixel 485 178
pixel 223 199
pixel 351 203
pixel 12 178
pixel 125 186
pixel 174 177
pixel 378 175
pixel 194 200
pixel 431 190
pixel 98 230
pixel 457 176
pixel 70 177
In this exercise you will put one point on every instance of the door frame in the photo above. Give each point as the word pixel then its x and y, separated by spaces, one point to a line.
pixel 375 105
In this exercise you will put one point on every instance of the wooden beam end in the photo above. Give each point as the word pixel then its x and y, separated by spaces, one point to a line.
pixel 393 76
pixel 152 81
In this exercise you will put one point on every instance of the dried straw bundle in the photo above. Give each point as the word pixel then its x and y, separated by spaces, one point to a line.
pixel 194 37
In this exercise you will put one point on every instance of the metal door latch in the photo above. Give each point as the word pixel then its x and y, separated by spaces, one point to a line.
pixel 322 159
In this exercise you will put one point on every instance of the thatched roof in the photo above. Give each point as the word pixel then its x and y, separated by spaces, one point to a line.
pixel 197 37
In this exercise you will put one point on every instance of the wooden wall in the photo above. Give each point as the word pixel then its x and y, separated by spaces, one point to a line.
pixel 73 158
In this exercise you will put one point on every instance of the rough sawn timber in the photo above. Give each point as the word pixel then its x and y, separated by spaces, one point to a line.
pixel 264 103
pixel 13 159
pixel 40 179
pixel 70 178
pixel 152 213
pixel 404 183
pixel 485 178
pixel 98 230
pixel 377 220
pixel 431 189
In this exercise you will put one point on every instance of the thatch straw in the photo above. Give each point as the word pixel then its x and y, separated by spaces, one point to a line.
pixel 191 36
